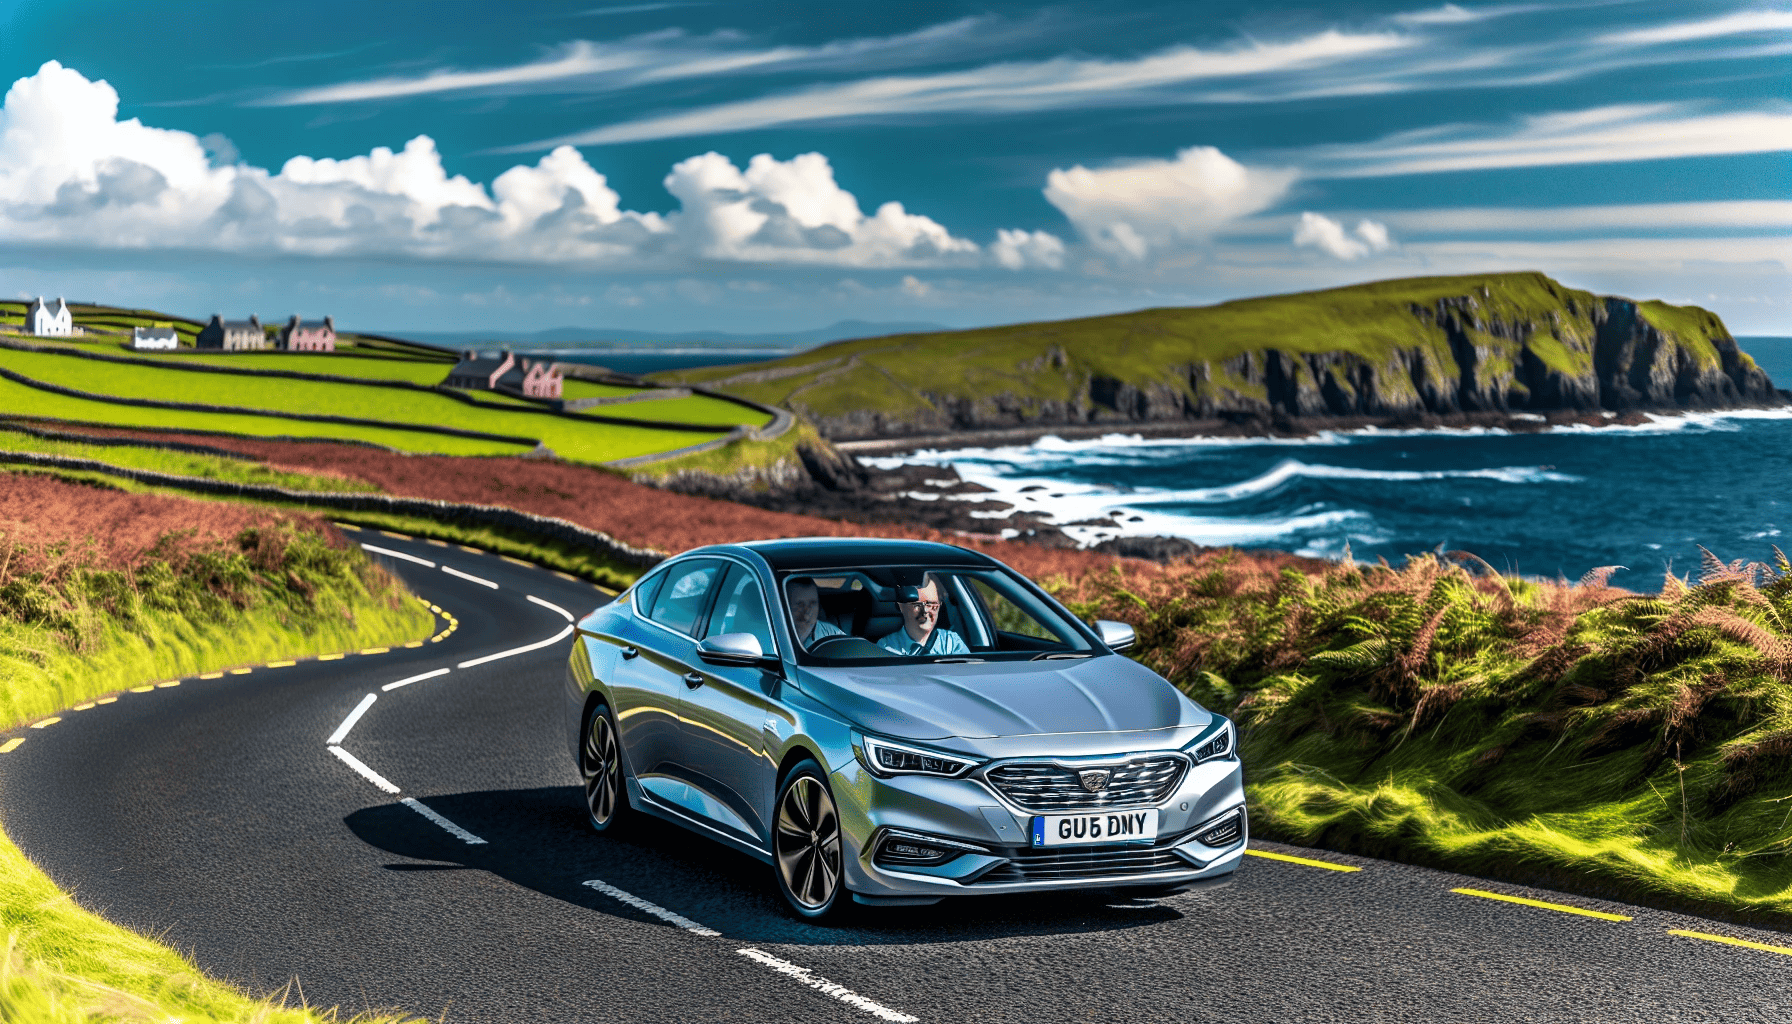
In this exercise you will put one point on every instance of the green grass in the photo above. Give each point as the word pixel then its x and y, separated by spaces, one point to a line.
pixel 210 467
pixel 569 438
pixel 700 409
pixel 18 400
pixel 71 630
pixel 1023 366
pixel 574 388
pixel 1579 736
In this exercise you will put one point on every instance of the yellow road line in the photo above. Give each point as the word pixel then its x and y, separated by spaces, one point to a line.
pixel 476 551
pixel 52 720
pixel 1326 864
pixel 1562 907
pixel 1726 940
pixel 328 657
pixel 437 543
pixel 212 675
pixel 241 671
pixel 345 526
pixel 11 745
pixel 400 536
pixel 415 643
pixel 607 590
pixel 434 608
pixel 148 689
pixel 83 707
pixel 566 576
pixel 171 682
pixel 375 650
pixel 517 561
pixel 281 664
pixel 106 700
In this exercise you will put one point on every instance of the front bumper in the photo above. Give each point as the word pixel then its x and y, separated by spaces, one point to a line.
pixel 971 812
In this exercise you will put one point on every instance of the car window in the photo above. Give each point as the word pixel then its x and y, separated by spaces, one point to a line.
pixel 684 595
pixel 1011 618
pixel 740 608
pixel 645 591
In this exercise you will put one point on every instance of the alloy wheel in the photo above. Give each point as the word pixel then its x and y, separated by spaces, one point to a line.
pixel 603 770
pixel 808 843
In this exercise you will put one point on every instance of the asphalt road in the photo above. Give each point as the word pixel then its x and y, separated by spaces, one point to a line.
pixel 215 815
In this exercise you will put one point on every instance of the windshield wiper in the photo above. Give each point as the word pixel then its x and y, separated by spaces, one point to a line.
pixel 1058 656
pixel 958 661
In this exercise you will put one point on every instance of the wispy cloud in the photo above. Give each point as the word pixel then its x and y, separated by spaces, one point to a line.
pixel 1737 24
pixel 1611 134
pixel 584 66
pixel 1008 87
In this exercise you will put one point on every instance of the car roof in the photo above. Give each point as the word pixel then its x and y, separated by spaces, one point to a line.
pixel 832 552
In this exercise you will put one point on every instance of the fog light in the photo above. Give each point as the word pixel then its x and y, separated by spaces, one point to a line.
pixel 1224 832
pixel 912 849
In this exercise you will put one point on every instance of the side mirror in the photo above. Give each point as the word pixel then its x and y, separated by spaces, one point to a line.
pixel 1117 635
pixel 732 649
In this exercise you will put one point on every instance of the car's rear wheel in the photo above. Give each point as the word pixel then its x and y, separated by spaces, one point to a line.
pixel 600 763
pixel 806 845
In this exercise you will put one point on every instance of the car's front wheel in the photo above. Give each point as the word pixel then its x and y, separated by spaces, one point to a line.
pixel 806 845
pixel 600 763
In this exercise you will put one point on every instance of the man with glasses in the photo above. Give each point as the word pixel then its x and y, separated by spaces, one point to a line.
pixel 805 611
pixel 919 635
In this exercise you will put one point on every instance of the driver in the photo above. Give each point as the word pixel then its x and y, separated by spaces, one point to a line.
pixel 919 634
pixel 805 611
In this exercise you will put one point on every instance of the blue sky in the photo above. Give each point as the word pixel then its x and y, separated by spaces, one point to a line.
pixel 688 165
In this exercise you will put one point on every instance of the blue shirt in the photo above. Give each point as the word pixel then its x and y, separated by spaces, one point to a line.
pixel 942 641
pixel 822 628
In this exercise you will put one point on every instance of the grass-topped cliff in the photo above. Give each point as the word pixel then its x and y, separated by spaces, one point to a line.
pixel 1395 349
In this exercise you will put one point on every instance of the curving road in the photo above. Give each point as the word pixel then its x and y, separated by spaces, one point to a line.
pixel 249 820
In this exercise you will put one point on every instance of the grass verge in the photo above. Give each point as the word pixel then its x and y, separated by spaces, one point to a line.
pixel 210 467
pixel 1581 736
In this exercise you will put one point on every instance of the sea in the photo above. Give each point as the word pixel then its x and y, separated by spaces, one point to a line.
pixel 1557 502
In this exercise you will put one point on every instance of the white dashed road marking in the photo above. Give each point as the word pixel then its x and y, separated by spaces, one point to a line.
pixel 348 723
pixel 452 571
pixel 538 645
pixel 550 606
pixel 362 770
pixel 784 967
pixel 389 553
pixel 450 827
pixel 413 679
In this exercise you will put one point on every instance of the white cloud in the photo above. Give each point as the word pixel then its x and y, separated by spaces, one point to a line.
pixel 1739 23
pixel 1129 209
pixel 1018 250
pixel 1764 214
pixel 1320 232
pixel 1612 134
pixel 72 173
pixel 585 66
pixel 914 287
pixel 1448 14
pixel 1003 88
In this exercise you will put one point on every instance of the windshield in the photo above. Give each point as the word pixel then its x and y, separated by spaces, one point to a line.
pixel 898 614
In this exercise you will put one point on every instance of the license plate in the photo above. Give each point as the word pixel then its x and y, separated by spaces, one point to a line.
pixel 1084 829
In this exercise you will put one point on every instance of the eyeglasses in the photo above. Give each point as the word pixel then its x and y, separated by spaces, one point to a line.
pixel 932 606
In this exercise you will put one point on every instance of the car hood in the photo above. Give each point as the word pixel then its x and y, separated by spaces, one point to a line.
pixel 1100 695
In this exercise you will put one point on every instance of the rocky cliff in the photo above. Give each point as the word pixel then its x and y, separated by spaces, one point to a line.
pixel 1399 351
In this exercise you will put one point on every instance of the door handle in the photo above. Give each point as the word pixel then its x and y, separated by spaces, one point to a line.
pixel 693 679
pixel 630 652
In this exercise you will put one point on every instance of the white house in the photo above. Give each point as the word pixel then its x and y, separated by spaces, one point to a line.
pixel 48 319
pixel 150 339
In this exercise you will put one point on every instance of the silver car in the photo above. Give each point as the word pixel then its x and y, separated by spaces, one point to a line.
pixel 893 722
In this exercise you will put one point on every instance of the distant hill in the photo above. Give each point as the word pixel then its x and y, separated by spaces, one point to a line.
pixel 1397 350
pixel 599 336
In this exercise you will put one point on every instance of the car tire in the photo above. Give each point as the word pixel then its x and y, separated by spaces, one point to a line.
pixel 808 850
pixel 600 765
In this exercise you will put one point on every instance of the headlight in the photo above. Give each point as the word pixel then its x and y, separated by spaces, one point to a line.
pixel 1214 746
pixel 885 758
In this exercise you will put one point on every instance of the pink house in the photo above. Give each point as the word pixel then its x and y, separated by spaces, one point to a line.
pixel 308 335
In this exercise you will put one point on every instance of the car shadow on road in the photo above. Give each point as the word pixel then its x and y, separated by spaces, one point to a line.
pixel 539 839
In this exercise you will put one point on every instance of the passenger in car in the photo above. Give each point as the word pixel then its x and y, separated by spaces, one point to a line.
pixel 805 611
pixel 919 634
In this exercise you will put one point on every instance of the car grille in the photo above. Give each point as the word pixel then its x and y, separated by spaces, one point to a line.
pixel 1030 865
pixel 1040 786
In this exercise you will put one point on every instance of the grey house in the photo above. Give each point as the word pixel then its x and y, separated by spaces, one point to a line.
pixel 232 335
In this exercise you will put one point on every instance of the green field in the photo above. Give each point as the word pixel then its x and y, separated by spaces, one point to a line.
pixel 566 436
pixel 209 467
pixel 1022 367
